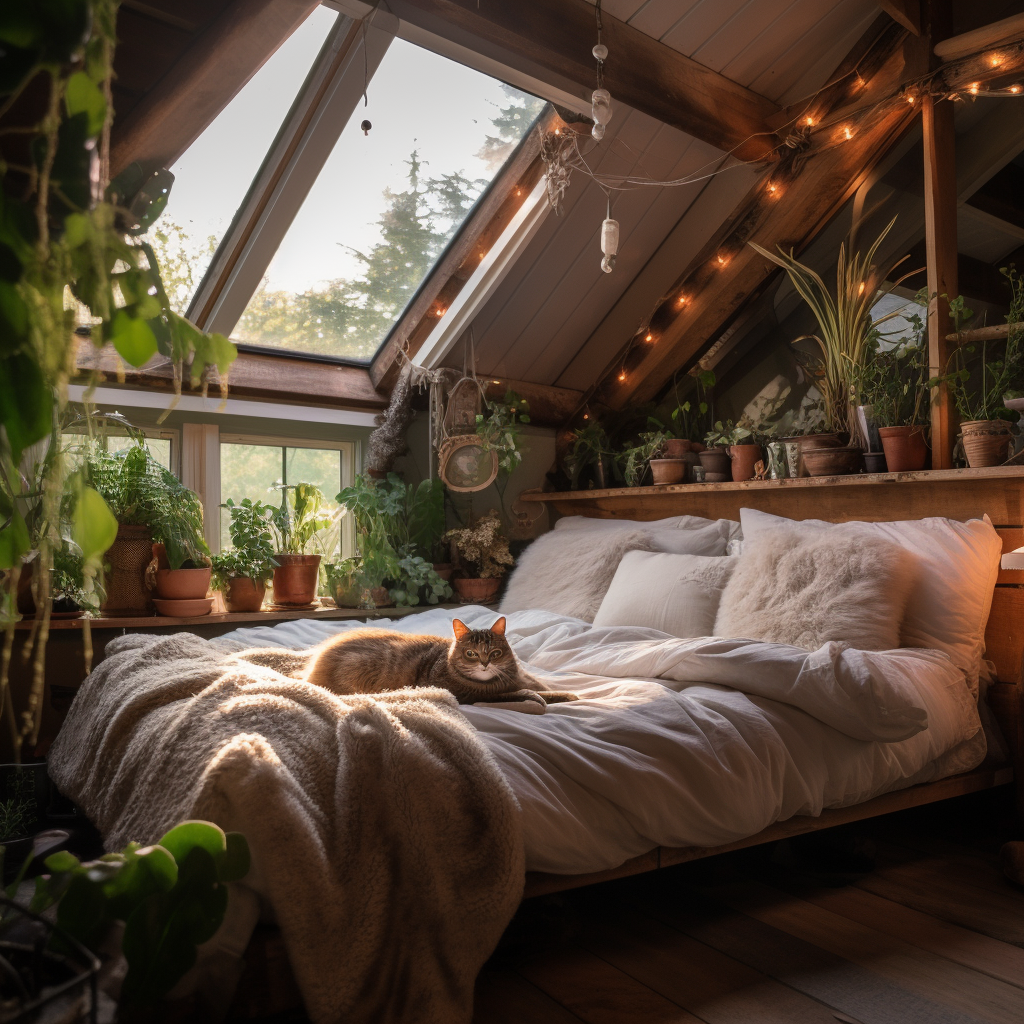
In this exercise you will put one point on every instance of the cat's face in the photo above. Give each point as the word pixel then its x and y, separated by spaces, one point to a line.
pixel 482 655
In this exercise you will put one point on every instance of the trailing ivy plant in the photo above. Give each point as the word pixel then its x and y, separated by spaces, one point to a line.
pixel 70 252
pixel 499 429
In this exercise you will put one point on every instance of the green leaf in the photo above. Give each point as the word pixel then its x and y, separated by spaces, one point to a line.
pixel 82 909
pixel 83 96
pixel 190 834
pixel 13 317
pixel 14 541
pixel 62 861
pixel 94 527
pixel 133 338
pixel 26 403
pixel 235 863
pixel 77 229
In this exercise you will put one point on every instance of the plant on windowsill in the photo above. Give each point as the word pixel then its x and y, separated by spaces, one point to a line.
pixel 980 377
pixel 159 542
pixel 481 557
pixel 242 574
pixel 300 525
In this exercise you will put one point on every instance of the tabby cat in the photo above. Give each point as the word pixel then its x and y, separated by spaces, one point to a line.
pixel 478 665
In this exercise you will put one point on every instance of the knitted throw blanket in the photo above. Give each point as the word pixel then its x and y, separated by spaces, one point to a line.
pixel 384 838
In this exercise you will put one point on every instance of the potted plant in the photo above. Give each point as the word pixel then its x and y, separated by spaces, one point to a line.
pixel 731 452
pixel 298 525
pixel 242 574
pixel 481 557
pixel 981 377
pixel 893 385
pixel 845 325
pixel 634 461
pixel 590 449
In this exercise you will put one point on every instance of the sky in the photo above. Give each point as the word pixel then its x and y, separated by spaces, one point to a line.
pixel 417 99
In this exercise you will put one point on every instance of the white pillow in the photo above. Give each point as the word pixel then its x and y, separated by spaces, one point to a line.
pixel 680 535
pixel 807 588
pixel 568 573
pixel 677 594
pixel 957 565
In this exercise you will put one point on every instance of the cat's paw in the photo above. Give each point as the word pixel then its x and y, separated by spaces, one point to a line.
pixel 558 696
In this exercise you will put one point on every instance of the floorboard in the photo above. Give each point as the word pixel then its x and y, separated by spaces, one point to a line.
pixel 898 920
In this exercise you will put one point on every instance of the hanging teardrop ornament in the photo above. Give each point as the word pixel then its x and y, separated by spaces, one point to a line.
pixel 601 112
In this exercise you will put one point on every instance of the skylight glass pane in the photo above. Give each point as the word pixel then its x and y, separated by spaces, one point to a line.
pixel 386 204
pixel 213 176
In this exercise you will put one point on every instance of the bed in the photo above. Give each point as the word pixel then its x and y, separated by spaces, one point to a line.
pixel 656 765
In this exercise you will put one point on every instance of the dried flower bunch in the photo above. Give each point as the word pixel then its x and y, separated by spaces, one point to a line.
pixel 481 551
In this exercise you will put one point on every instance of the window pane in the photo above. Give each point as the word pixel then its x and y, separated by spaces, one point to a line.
pixel 386 204
pixel 247 471
pixel 320 466
pixel 213 176
pixel 159 447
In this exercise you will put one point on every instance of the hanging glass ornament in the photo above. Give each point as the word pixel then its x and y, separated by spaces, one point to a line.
pixel 601 111
pixel 609 244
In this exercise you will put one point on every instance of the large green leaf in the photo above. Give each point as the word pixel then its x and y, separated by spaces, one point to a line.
pixel 26 403
pixel 14 540
pixel 82 96
pixel 133 338
pixel 95 527
pixel 234 866
pixel 189 834
pixel 13 318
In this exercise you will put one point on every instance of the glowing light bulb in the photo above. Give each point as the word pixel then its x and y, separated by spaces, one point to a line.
pixel 439 312
pixel 586 415
pixel 860 290
pixel 995 59
pixel 649 337
pixel 1015 89
pixel 721 260
pixel 681 301
pixel 973 88
pixel 911 99
pixel 519 191
pixel 622 375
pixel 809 121
pixel 772 188
pixel 847 134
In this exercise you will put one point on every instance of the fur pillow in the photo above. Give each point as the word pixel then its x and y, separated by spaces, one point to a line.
pixel 807 590
pixel 569 572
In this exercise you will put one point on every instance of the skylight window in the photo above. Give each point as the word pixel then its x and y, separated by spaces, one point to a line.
pixel 385 205
pixel 213 175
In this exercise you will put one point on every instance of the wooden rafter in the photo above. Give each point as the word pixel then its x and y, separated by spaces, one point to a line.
pixel 556 36
pixel 481 229
pixel 904 12
pixel 808 192
pixel 225 55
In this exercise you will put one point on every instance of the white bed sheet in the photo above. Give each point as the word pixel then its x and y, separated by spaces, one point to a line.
pixel 682 742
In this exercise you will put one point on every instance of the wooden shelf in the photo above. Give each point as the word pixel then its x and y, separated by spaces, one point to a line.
pixel 263 618
pixel 928 476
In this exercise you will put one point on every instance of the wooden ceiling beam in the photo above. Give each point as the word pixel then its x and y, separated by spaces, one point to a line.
pixel 904 12
pixel 556 36
pixel 215 67
pixel 787 206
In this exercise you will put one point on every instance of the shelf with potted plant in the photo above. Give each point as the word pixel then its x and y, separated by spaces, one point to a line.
pixel 242 573
pixel 300 526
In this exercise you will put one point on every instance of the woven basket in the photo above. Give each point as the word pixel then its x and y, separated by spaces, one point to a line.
pixel 986 442
pixel 125 580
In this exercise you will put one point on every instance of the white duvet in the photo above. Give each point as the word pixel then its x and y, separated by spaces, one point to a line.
pixel 696 742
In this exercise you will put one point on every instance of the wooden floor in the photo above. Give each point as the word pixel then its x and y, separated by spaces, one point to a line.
pixel 900 920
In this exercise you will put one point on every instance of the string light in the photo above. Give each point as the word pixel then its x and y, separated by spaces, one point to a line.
pixel 1015 89
pixel 809 121
pixel 847 134
pixel 973 88
pixel 586 415
pixel 772 189
pixel 440 311
pixel 649 337
pixel 911 98
pixel 995 59
pixel 519 191
pixel 622 375
pixel 721 260
pixel 681 301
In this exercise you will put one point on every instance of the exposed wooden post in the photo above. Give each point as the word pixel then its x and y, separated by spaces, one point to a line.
pixel 940 245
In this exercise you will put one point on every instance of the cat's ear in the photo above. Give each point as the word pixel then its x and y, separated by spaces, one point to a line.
pixel 461 629
pixel 499 626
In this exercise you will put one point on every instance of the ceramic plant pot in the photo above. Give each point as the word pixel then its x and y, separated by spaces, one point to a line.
pixel 744 457
pixel 244 595
pixel 347 592
pixel 182 584
pixel 874 462
pixel 906 449
pixel 186 607
pixel 377 597
pixel 676 448
pixel 479 591
pixel 833 461
pixel 295 579
pixel 814 441
pixel 986 442
pixel 668 471
pixel 444 570
pixel 125 579
pixel 717 465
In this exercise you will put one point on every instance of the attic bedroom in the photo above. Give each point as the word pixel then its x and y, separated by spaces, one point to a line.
pixel 512 512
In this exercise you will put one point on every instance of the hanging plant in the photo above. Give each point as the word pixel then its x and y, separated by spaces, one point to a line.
pixel 70 254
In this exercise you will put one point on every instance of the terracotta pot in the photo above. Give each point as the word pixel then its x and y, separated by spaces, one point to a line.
pixel 676 448
pixel 906 449
pixel 744 457
pixel 833 461
pixel 379 597
pixel 874 462
pixel 181 608
pixel 814 441
pixel 295 579
pixel 986 442
pixel 668 471
pixel 444 570
pixel 182 584
pixel 717 465
pixel 347 593
pixel 125 580
pixel 244 595
pixel 477 590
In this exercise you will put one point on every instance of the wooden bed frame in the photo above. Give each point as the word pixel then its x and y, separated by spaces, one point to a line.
pixel 955 494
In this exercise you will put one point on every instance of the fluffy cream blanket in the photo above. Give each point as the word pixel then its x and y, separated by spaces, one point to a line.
pixel 384 837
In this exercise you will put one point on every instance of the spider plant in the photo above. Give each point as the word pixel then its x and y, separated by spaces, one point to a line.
pixel 845 325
